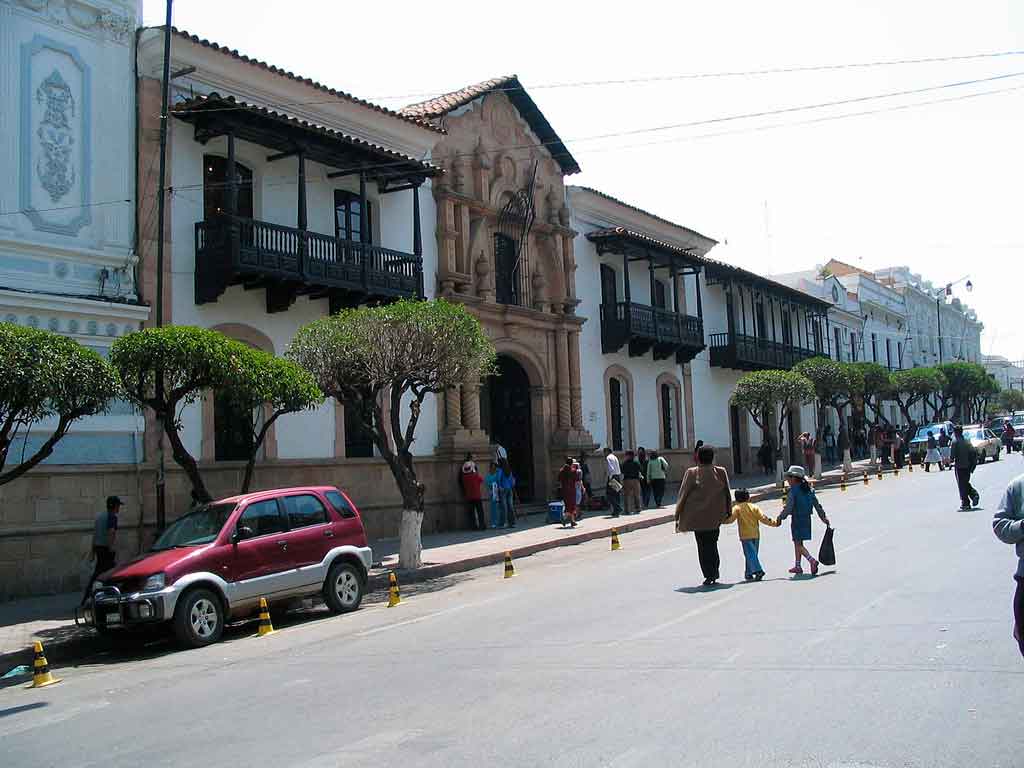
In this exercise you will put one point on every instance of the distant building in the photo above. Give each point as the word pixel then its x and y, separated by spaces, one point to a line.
pixel 1008 374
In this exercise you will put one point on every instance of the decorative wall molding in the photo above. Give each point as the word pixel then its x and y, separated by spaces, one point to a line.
pixel 56 145
pixel 103 20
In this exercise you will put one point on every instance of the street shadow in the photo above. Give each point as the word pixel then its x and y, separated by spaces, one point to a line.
pixel 23 708
pixel 805 576
pixel 701 589
pixel 43 608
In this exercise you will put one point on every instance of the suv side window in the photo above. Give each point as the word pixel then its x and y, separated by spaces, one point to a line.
pixel 262 518
pixel 340 503
pixel 304 511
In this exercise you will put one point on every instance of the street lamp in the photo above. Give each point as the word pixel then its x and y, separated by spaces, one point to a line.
pixel 939 298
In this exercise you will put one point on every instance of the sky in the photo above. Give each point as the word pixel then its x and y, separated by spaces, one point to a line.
pixel 935 187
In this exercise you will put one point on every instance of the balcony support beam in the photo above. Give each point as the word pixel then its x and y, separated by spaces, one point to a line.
pixel 417 240
pixel 625 278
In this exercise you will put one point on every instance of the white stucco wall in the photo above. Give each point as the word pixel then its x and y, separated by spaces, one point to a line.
pixel 309 434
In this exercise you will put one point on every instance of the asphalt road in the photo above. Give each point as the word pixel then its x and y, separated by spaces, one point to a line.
pixel 900 656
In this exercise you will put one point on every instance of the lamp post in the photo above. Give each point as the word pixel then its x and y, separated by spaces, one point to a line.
pixel 939 298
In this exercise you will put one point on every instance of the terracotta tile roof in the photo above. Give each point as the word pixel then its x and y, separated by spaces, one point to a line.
pixel 719 270
pixel 641 210
pixel 441 105
pixel 642 239
pixel 422 123
pixel 214 102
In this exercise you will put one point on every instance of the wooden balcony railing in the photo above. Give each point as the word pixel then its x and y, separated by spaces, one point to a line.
pixel 645 328
pixel 232 250
pixel 751 353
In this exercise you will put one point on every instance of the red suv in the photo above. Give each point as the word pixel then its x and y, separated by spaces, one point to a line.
pixel 216 562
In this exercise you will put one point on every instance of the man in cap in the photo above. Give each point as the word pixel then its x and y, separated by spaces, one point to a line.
pixel 104 538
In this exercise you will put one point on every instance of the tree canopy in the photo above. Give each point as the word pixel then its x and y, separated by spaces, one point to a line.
pixel 1011 400
pixel 761 392
pixel 911 386
pixel 371 358
pixel 877 388
pixel 46 375
pixel 188 360
pixel 268 388
pixel 964 382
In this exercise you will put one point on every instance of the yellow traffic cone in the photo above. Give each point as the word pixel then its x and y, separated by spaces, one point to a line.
pixel 866 480
pixel 896 472
pixel 41 676
pixel 266 626
pixel 615 540
pixel 394 596
pixel 510 570
pixel 879 471
pixel 910 466
pixel 842 484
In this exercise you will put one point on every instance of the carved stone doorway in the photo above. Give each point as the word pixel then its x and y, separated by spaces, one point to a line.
pixel 507 415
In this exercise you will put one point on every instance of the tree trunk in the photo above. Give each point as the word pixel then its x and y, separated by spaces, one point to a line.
pixel 410 546
pixel 184 460
pixel 847 461
pixel 780 470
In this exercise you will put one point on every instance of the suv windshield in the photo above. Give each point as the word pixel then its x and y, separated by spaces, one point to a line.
pixel 200 526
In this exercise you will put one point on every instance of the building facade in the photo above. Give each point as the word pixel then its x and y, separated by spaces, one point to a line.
pixel 68 259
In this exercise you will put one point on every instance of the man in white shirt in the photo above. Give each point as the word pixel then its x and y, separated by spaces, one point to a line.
pixel 613 489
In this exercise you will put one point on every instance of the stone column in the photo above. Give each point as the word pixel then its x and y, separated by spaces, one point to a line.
pixel 562 368
pixel 575 385
pixel 691 430
pixel 453 407
pixel 471 404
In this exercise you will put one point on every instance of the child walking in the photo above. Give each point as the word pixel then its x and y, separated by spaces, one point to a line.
pixel 749 516
pixel 800 502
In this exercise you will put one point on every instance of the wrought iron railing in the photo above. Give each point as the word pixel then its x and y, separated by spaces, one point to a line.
pixel 743 351
pixel 628 320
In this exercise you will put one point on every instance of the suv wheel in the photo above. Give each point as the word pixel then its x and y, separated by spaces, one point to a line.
pixel 344 587
pixel 199 619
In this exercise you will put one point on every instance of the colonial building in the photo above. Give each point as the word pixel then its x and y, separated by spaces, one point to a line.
pixel 506 250
pixel 1008 374
pixel 67 258
pixel 638 279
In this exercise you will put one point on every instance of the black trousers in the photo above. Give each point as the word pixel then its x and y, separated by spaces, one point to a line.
pixel 707 552
pixel 1018 614
pixel 658 488
pixel 476 515
pixel 105 560
pixel 963 482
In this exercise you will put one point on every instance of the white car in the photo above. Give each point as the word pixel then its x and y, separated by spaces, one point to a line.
pixel 984 442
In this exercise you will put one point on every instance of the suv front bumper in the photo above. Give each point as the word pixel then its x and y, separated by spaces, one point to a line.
pixel 109 609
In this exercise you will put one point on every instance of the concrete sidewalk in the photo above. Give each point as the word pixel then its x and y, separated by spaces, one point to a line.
pixel 50 619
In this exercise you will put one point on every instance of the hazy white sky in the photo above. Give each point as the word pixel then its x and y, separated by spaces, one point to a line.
pixel 937 188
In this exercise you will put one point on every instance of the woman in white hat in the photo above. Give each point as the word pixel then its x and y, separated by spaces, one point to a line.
pixel 801 501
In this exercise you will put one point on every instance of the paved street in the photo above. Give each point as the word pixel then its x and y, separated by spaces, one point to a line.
pixel 900 656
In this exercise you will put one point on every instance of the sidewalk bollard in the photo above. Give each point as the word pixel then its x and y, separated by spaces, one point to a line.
pixel 394 597
pixel 266 626
pixel 510 570
pixel 866 480
pixel 41 675
pixel 842 484
pixel 615 540
pixel 879 471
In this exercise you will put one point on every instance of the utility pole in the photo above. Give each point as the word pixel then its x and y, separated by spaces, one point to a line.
pixel 161 501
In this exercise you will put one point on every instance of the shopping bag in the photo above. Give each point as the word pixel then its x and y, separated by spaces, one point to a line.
pixel 827 553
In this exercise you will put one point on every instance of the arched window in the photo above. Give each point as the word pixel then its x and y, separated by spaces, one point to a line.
pixel 215 187
pixel 619 392
pixel 232 427
pixel 506 273
pixel 670 421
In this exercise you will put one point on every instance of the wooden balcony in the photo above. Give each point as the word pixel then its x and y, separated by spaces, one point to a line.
pixel 231 250
pixel 645 328
pixel 750 353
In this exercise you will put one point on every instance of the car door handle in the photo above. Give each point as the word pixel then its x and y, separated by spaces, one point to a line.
pixel 329 534
pixel 283 544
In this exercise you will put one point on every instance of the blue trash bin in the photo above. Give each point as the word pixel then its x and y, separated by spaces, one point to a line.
pixel 556 511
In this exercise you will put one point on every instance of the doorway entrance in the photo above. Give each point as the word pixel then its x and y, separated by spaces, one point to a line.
pixel 737 447
pixel 507 416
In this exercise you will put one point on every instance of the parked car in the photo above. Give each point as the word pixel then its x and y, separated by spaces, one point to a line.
pixel 215 563
pixel 1017 420
pixel 984 442
pixel 919 444
pixel 997 425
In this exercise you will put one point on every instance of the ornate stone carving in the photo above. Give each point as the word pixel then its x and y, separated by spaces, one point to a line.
pixel 54 167
pixel 481 156
pixel 116 25
pixel 554 205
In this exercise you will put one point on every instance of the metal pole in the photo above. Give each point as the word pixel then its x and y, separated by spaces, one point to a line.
pixel 161 501
pixel 938 318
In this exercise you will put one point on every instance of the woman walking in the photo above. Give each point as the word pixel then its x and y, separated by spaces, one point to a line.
pixel 705 502
pixel 656 471
pixel 932 455
pixel 801 501
pixel 568 477
pixel 645 486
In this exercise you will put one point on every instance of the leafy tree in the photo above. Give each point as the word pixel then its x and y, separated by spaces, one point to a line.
pixel 189 360
pixel 46 375
pixel 877 390
pixel 268 388
pixel 964 382
pixel 1010 400
pixel 760 393
pixel 370 359
pixel 980 402
pixel 835 385
pixel 911 386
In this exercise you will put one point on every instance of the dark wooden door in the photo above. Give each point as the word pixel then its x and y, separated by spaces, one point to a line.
pixel 737 448
pixel 609 285
pixel 506 275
